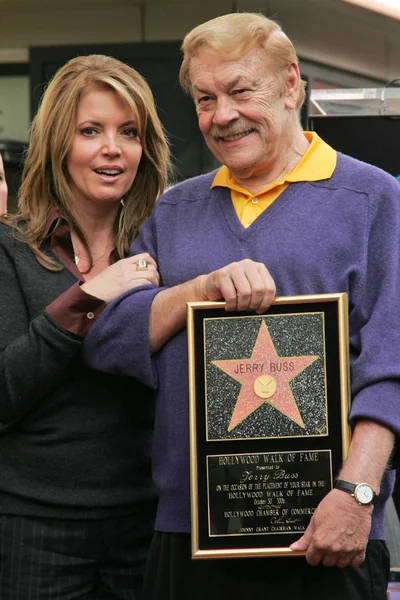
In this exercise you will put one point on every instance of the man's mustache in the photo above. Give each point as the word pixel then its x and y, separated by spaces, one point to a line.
pixel 237 128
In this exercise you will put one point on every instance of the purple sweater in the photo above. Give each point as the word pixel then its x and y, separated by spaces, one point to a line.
pixel 337 235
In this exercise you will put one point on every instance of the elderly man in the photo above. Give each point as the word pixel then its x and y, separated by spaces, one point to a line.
pixel 284 210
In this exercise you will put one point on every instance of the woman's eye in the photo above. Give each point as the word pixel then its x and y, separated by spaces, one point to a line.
pixel 88 131
pixel 132 132
pixel 238 92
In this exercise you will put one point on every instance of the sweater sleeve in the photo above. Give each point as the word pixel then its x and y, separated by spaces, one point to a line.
pixel 118 343
pixel 375 318
pixel 33 354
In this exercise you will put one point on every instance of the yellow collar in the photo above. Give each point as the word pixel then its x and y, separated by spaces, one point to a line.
pixel 316 164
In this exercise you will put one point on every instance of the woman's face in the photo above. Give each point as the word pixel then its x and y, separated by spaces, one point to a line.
pixel 3 189
pixel 105 153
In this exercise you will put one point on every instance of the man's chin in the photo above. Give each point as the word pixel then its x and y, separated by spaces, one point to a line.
pixel 240 168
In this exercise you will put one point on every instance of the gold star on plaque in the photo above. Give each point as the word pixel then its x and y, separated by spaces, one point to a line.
pixel 265 377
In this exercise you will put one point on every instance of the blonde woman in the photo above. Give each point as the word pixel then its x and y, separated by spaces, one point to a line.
pixel 76 499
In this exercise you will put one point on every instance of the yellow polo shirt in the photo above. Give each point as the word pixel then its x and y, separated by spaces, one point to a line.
pixel 317 163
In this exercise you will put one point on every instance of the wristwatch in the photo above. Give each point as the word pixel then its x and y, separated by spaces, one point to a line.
pixel 361 492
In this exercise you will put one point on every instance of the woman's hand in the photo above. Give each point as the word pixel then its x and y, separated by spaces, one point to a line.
pixel 121 277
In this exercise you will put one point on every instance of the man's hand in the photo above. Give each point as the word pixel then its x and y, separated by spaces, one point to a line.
pixel 121 277
pixel 338 532
pixel 244 285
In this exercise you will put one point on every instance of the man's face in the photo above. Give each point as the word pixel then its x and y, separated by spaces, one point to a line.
pixel 243 114
pixel 3 189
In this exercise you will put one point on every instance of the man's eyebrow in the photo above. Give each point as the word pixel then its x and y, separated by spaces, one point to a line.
pixel 228 86
pixel 200 89
pixel 234 82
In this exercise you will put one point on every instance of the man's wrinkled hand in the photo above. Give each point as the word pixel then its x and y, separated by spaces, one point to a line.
pixel 338 532
pixel 245 286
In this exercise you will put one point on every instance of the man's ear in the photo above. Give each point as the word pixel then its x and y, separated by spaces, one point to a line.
pixel 292 86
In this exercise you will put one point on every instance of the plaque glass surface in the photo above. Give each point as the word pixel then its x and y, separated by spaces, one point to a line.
pixel 269 401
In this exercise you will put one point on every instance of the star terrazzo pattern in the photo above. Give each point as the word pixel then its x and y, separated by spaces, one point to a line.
pixel 281 351
pixel 250 374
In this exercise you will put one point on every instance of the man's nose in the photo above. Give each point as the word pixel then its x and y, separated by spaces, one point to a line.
pixel 225 112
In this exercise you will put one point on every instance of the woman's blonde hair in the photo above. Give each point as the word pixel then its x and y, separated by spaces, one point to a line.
pixel 233 36
pixel 44 179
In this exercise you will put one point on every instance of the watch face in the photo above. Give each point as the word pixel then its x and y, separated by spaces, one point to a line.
pixel 364 493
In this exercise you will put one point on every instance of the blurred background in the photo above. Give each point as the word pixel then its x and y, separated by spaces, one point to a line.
pixel 341 44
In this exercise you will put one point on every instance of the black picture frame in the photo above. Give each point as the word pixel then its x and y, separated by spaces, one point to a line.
pixel 269 401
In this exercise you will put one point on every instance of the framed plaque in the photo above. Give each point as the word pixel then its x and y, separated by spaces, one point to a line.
pixel 269 401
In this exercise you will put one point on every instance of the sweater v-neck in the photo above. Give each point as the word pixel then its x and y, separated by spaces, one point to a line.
pixel 225 205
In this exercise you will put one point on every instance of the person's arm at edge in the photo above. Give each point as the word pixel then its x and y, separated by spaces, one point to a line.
pixel 339 529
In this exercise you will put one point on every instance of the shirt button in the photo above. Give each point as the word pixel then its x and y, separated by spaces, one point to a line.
pixel 90 315
pixel 254 200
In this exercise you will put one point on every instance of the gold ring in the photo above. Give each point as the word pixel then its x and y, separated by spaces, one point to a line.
pixel 141 265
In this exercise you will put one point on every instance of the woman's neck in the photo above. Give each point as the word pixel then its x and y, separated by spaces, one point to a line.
pixel 98 229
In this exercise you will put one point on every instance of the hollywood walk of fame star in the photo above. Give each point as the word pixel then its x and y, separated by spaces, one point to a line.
pixel 262 384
